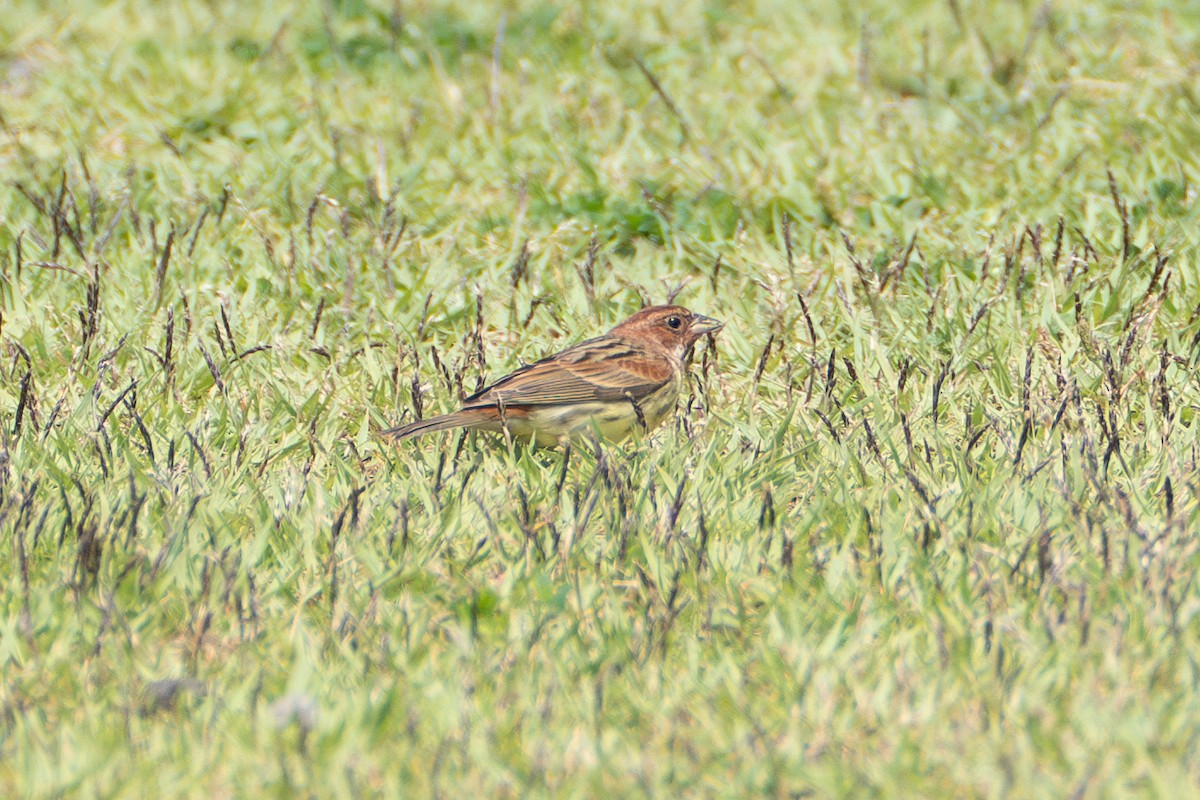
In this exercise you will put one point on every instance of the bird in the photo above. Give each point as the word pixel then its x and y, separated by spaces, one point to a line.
pixel 613 385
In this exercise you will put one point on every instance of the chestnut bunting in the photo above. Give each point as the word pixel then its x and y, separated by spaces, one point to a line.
pixel 624 381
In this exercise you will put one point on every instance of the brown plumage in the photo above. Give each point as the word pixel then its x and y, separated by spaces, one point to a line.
pixel 626 380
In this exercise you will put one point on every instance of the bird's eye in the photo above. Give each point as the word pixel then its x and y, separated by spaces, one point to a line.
pixel 674 323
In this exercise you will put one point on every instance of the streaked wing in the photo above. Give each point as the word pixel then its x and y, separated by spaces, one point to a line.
pixel 603 369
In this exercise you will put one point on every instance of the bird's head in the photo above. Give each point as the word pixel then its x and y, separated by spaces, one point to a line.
pixel 670 329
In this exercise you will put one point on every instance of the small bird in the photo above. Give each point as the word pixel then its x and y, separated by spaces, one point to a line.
pixel 626 380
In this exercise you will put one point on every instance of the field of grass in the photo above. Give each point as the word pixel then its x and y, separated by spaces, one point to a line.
pixel 925 525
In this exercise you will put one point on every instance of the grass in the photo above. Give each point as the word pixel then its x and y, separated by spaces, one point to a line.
pixel 925 525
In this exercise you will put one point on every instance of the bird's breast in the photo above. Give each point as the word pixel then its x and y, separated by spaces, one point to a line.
pixel 613 420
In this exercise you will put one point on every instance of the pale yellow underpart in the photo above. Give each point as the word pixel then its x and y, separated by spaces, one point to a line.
pixel 616 420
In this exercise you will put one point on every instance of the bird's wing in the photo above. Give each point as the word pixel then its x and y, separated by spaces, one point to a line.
pixel 598 370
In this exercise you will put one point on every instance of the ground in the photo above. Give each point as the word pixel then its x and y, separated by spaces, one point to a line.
pixel 924 523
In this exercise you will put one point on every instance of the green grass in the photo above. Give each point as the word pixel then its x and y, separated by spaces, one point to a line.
pixel 927 527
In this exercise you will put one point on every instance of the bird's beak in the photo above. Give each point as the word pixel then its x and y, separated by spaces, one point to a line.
pixel 702 325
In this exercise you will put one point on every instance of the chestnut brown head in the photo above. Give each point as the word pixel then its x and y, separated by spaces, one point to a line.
pixel 673 329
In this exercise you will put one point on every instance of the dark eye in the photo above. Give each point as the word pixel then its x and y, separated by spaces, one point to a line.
pixel 674 323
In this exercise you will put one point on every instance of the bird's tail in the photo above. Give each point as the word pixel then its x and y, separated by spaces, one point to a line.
pixel 469 418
